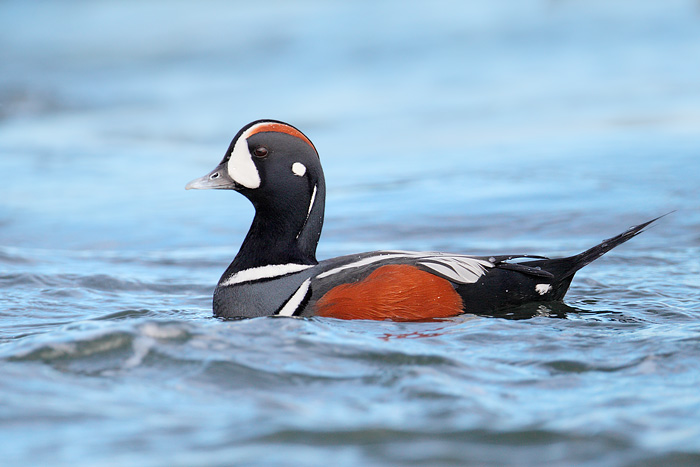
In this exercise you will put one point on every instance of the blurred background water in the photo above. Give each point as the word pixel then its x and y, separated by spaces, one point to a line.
pixel 479 127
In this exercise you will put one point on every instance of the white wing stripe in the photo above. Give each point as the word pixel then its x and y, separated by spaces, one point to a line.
pixel 444 269
pixel 458 268
pixel 360 263
pixel 461 270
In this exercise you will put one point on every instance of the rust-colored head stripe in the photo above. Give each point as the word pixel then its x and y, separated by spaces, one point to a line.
pixel 280 128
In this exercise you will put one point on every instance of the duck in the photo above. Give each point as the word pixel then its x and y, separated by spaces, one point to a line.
pixel 276 273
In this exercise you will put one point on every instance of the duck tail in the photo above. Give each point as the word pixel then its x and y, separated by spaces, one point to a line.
pixel 563 269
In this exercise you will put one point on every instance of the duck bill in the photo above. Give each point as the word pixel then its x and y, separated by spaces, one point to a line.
pixel 217 179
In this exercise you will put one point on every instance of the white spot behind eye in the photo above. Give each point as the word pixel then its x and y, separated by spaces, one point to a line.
pixel 299 169
pixel 543 288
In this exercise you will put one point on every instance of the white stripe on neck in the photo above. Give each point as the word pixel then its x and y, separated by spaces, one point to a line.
pixel 264 272
pixel 311 203
pixel 308 212
pixel 295 300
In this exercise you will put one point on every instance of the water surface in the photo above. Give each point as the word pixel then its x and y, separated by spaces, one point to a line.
pixel 541 127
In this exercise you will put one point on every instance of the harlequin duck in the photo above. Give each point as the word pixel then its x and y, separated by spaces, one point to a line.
pixel 276 272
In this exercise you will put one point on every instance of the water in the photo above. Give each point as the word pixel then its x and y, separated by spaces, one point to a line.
pixel 481 127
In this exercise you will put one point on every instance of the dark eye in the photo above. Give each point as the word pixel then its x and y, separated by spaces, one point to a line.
pixel 260 152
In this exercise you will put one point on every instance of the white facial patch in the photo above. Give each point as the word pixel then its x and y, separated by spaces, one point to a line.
pixel 299 169
pixel 241 167
pixel 543 288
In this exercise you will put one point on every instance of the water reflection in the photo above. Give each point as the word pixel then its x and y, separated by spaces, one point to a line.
pixel 533 310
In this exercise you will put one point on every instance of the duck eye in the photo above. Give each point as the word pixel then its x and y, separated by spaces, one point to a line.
pixel 260 152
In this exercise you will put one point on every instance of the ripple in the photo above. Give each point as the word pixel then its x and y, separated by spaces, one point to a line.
pixel 98 282
pixel 67 352
pixel 460 447
pixel 574 366
pixel 90 347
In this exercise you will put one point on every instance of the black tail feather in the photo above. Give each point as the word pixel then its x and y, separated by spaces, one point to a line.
pixel 563 269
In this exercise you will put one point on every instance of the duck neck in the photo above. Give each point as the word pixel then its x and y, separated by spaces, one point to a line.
pixel 282 232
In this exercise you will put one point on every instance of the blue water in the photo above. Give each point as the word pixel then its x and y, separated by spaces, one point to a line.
pixel 478 127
